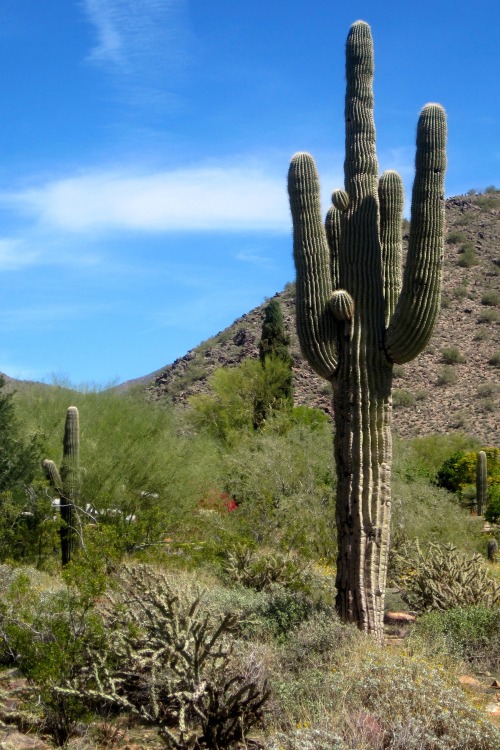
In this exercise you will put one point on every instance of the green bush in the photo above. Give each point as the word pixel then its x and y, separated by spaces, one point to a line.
pixel 492 512
pixel 489 316
pixel 47 634
pixel 402 398
pixel 491 298
pixel 468 257
pixel 455 237
pixel 452 356
pixel 472 633
pixel 447 376
pixel 494 360
pixel 459 470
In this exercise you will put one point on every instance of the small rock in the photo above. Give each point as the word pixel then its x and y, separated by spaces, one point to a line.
pixel 14 740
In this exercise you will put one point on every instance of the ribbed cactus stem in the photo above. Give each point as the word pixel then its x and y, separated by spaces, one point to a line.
pixel 481 482
pixel 67 482
pixel 357 315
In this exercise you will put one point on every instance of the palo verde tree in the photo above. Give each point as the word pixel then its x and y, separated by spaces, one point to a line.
pixel 357 316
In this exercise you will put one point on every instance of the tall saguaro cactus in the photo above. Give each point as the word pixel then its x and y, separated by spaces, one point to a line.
pixel 67 482
pixel 481 482
pixel 357 315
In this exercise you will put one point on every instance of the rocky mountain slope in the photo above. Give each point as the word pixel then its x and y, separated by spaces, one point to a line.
pixel 453 385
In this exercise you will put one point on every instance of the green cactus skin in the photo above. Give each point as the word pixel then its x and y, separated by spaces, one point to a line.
pixel 67 482
pixel 481 482
pixel 357 316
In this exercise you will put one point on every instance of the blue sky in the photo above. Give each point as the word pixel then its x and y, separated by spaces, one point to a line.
pixel 144 148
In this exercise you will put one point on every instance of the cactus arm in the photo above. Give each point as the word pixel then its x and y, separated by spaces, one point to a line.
pixel 391 199
pixel 316 327
pixel 333 230
pixel 52 474
pixel 411 326
pixel 360 165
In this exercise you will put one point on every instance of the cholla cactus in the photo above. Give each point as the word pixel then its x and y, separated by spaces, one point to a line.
pixel 357 315
pixel 67 482
pixel 481 483
pixel 171 664
pixel 444 578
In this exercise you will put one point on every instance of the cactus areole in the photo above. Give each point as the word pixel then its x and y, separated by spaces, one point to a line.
pixel 358 314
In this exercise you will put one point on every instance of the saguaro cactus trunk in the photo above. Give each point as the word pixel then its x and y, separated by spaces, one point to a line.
pixel 481 482
pixel 357 316
pixel 67 482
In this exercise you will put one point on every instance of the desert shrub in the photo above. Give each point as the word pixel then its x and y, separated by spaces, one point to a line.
pixel 492 512
pixel 491 298
pixel 335 684
pixel 172 665
pixel 481 334
pixel 459 470
pixel 271 474
pixel 455 237
pixel 236 393
pixel 444 578
pixel 487 389
pixel 402 398
pixel 468 257
pixel 452 356
pixel 140 474
pixel 445 302
pixel 46 633
pixel 494 360
pixel 447 376
pixel 460 292
pixel 489 316
pixel 245 566
pixel 472 633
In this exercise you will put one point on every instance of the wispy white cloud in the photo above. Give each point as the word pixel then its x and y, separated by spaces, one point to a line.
pixel 196 199
pixel 144 45
pixel 14 255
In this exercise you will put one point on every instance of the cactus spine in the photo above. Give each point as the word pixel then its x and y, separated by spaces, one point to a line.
pixel 67 482
pixel 357 315
pixel 481 483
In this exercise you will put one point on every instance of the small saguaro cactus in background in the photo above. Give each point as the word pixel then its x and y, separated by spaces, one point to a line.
pixel 481 483
pixel 67 482
pixel 357 315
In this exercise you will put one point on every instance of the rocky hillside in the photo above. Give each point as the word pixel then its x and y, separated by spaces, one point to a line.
pixel 454 383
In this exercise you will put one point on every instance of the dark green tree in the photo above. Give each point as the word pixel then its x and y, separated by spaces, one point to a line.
pixel 19 457
pixel 274 344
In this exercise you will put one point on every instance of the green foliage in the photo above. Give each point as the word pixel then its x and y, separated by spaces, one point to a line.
pixel 491 298
pixel 455 237
pixel 447 376
pixel 473 633
pixel 452 356
pixel 140 474
pixel 444 577
pixel 492 512
pixel 468 257
pixel 172 665
pixel 402 398
pixel 283 484
pixel 459 470
pixel 47 634
pixel 235 394
pixel 274 345
pixel 336 689
pixel 494 360
pixel 19 455
pixel 259 571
